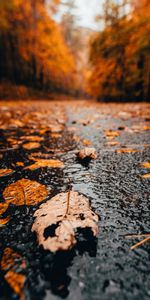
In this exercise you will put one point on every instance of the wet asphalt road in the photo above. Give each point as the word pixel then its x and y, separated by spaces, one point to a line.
pixel 96 269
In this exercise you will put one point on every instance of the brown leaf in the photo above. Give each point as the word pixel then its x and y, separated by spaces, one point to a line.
pixel 111 134
pixel 113 143
pixel 43 163
pixel 19 164
pixel 89 153
pixel 56 128
pixel 25 192
pixel 30 146
pixel 4 221
pixel 55 135
pixel 10 261
pixel 86 142
pixel 58 219
pixel 126 150
pixel 32 138
pixel 146 176
pixel 3 207
pixel 5 172
pixel 146 127
pixel 146 165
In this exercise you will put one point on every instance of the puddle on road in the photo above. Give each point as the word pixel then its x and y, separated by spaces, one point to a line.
pixel 98 268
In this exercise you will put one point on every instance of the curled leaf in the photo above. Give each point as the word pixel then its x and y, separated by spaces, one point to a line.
pixel 25 192
pixel 87 153
pixel 57 221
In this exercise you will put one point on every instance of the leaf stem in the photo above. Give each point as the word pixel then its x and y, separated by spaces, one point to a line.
pixel 140 243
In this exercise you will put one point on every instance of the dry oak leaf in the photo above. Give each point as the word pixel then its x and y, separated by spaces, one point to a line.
pixel 56 222
pixel 146 165
pixel 30 146
pixel 5 172
pixel 42 163
pixel 87 153
pixel 25 192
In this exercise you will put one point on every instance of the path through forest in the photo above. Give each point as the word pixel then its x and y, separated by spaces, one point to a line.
pixel 117 184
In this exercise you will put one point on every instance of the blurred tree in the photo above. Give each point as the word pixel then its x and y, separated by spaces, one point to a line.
pixel 32 47
pixel 119 53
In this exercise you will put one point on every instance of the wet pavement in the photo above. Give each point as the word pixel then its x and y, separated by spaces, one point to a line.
pixel 101 268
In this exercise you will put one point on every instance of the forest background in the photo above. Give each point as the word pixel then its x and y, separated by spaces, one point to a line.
pixel 42 55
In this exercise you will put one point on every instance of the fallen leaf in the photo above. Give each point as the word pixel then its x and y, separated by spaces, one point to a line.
pixel 19 164
pixel 43 163
pixel 56 128
pixel 30 146
pixel 146 127
pixel 4 221
pixel 57 221
pixel 87 153
pixel 25 192
pixel 86 143
pixel 9 263
pixel 76 138
pixel 146 165
pixel 126 150
pixel 113 143
pixel 110 134
pixel 32 138
pixel 146 176
pixel 5 172
pixel 55 135
pixel 3 207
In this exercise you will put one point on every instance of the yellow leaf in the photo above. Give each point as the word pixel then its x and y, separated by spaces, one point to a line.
pixel 146 165
pixel 5 172
pixel 43 163
pixel 25 192
pixel 30 146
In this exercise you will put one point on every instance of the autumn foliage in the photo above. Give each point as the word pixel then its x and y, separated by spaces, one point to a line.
pixel 33 51
pixel 120 53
